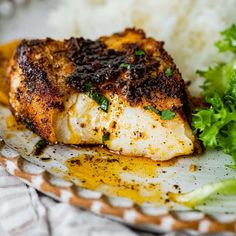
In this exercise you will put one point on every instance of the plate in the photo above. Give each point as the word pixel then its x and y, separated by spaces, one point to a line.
pixel 131 190
pixel 136 195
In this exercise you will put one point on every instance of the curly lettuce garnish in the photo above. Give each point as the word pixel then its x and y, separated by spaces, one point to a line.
pixel 216 125
pixel 228 43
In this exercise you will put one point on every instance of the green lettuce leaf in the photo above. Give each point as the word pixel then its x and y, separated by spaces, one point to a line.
pixel 216 125
pixel 228 43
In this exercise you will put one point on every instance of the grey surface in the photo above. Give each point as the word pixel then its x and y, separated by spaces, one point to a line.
pixel 2 232
pixel 21 27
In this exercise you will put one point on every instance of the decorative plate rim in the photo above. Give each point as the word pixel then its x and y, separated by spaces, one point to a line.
pixel 134 215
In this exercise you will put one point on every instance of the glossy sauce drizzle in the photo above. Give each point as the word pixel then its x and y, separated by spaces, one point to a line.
pixel 116 175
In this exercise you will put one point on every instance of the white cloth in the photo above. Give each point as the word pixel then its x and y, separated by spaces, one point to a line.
pixel 25 212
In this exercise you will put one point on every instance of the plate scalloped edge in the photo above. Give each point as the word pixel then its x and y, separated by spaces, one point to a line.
pixel 160 221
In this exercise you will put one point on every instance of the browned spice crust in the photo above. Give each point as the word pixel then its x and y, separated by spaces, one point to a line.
pixel 53 70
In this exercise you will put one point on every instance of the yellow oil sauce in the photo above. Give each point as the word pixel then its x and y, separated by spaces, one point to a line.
pixel 109 175
pixel 6 52
pixel 13 125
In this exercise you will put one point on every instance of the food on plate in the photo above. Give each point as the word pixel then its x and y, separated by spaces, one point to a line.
pixel 122 91
pixel 216 124
pixel 6 52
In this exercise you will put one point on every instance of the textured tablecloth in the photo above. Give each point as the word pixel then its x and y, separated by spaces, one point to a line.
pixel 25 212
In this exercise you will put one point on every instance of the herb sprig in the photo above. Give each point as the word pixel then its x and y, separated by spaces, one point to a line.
pixel 165 114
pixel 105 137
pixel 139 52
pixel 125 65
pixel 169 72
pixel 98 97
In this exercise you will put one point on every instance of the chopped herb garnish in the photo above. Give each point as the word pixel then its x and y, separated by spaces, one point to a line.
pixel 99 98
pixel 169 72
pixel 40 146
pixel 106 137
pixel 125 65
pixel 167 115
pixel 139 53
pixel 29 125
pixel 88 87
pixel 152 109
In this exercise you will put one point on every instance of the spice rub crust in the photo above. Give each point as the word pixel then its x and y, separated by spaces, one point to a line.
pixel 129 64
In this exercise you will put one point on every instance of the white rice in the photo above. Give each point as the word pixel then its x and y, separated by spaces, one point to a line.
pixel 188 27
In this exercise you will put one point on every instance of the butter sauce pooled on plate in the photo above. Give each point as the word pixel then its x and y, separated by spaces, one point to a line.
pixel 108 173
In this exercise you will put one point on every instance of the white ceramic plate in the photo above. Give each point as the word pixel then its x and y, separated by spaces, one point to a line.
pixel 135 194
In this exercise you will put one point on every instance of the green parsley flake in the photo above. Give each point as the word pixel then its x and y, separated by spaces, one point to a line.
pixel 29 125
pixel 152 109
pixel 40 146
pixel 99 98
pixel 125 65
pixel 88 87
pixel 106 137
pixel 169 72
pixel 139 53
pixel 167 115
